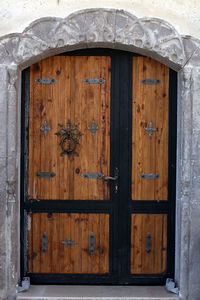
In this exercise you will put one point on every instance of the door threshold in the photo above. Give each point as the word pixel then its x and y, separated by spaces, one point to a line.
pixel 80 292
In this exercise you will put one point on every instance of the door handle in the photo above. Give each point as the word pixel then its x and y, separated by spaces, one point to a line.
pixel 107 178
pixel 113 178
pixel 116 176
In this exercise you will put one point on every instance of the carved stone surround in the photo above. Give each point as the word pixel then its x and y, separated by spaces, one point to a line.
pixel 117 29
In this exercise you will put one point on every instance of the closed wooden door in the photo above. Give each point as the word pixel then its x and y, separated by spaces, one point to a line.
pixel 99 168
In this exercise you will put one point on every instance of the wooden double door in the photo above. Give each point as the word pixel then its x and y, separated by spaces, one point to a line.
pixel 99 167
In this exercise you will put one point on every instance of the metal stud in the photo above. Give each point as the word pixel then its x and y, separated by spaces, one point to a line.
pixel 45 127
pixel 93 127
pixel 150 129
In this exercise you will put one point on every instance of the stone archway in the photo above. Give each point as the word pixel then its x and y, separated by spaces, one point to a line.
pixel 97 27
pixel 111 29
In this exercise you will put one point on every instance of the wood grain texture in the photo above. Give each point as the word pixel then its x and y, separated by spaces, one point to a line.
pixel 155 261
pixel 150 153
pixel 60 258
pixel 70 98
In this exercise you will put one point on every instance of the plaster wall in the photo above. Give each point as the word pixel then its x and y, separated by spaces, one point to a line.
pixel 184 15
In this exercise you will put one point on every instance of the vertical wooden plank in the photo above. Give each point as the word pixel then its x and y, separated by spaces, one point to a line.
pixel 46 257
pixel 154 261
pixel 103 243
pixel 31 254
pixel 67 266
pixel 149 153
pixel 36 240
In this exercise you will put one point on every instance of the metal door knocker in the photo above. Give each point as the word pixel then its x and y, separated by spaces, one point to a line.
pixel 69 138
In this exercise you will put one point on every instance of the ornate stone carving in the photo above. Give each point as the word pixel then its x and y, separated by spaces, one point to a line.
pixel 96 27
pixel 11 189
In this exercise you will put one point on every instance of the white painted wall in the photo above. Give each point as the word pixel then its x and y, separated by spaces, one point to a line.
pixel 184 15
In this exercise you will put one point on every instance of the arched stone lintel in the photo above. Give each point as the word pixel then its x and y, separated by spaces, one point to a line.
pixel 106 28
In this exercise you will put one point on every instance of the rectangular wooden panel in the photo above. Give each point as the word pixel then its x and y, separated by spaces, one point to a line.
pixel 72 99
pixel 148 243
pixel 67 248
pixel 149 148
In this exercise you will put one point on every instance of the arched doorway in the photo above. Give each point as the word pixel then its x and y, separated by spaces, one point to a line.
pixel 100 162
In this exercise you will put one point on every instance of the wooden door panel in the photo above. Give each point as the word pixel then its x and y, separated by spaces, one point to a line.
pixel 69 99
pixel 67 245
pixel 148 243
pixel 149 149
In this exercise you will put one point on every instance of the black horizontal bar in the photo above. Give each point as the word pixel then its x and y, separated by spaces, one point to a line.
pixel 91 279
pixel 94 206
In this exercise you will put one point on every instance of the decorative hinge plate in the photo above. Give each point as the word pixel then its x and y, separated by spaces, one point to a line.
pixel 45 174
pixel 150 81
pixel 149 175
pixel 92 175
pixel 91 248
pixel 45 80
pixel 94 80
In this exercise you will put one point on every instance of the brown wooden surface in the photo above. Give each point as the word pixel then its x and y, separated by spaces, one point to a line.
pixel 63 259
pixel 149 154
pixel 69 99
pixel 155 261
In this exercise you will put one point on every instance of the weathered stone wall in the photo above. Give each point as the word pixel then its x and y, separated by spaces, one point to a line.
pixel 113 29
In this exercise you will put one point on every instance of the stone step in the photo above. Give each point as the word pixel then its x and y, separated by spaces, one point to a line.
pixel 64 292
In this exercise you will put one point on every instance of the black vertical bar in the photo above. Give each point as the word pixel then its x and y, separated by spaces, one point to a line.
pixel 114 155
pixel 23 183
pixel 125 93
pixel 172 169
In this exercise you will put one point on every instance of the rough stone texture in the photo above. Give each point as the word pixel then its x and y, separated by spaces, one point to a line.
pixel 97 28
pixel 3 167
pixel 113 29
pixel 194 249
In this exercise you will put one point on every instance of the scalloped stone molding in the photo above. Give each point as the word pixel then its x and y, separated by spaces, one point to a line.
pixel 98 28
pixel 117 29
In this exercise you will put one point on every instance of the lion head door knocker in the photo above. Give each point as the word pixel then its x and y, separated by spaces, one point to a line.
pixel 69 136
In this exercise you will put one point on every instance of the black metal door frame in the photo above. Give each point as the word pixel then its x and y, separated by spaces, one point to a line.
pixel 120 206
